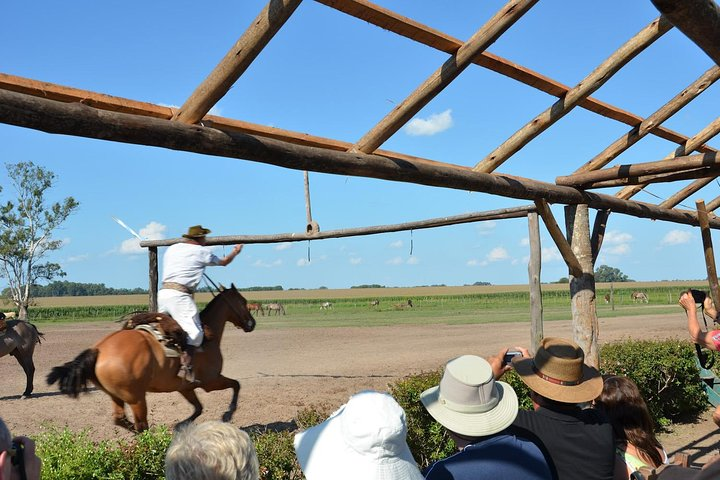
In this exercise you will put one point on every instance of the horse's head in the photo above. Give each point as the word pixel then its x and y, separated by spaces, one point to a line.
pixel 240 316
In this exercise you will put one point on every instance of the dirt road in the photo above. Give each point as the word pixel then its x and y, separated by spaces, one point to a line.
pixel 285 370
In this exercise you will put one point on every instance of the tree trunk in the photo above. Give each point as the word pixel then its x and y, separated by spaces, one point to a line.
pixel 582 289
pixel 23 311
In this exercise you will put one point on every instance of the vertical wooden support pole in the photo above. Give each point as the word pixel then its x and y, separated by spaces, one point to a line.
pixel 708 248
pixel 153 289
pixel 536 304
pixel 582 288
pixel 612 296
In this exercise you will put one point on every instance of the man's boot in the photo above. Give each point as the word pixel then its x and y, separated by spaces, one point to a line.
pixel 186 364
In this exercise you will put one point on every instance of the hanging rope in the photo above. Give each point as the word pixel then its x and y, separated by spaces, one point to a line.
pixel 308 250
pixel 411 242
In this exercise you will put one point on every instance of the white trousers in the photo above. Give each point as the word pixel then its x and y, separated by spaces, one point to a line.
pixel 182 308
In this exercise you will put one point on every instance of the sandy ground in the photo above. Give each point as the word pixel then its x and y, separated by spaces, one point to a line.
pixel 282 371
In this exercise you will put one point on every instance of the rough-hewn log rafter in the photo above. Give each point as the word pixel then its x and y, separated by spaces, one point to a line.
pixel 560 241
pixel 443 76
pixel 408 28
pixel 665 112
pixel 237 60
pixel 83 121
pixel 698 19
pixel 586 87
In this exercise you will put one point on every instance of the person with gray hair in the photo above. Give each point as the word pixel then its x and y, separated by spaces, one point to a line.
pixel 211 450
pixel 17 456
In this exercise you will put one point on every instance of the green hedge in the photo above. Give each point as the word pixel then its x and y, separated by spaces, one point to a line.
pixel 664 371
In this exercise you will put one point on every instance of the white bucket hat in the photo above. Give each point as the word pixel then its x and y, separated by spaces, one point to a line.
pixel 469 401
pixel 364 439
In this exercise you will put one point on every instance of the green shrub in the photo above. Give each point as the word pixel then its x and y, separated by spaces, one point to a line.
pixel 426 438
pixel 665 372
pixel 277 455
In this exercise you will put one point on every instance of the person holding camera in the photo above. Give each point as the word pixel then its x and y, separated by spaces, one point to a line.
pixel 708 339
pixel 18 460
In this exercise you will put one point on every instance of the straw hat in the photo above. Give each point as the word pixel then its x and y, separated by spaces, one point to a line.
pixel 364 440
pixel 196 231
pixel 469 401
pixel 558 372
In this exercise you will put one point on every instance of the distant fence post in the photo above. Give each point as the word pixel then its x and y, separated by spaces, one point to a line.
pixel 153 288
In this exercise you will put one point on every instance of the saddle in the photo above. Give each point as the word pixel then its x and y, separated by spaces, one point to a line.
pixel 162 326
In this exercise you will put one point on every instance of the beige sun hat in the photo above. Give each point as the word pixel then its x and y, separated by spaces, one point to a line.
pixel 558 372
pixel 196 231
pixel 366 439
pixel 469 401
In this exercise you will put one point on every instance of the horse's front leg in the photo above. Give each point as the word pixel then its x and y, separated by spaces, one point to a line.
pixel 26 362
pixel 191 397
pixel 221 383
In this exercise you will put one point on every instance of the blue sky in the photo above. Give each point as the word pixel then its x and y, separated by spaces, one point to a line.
pixel 331 75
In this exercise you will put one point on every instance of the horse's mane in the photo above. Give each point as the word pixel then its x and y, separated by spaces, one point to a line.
pixel 215 300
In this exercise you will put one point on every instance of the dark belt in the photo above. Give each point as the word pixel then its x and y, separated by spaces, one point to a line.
pixel 179 287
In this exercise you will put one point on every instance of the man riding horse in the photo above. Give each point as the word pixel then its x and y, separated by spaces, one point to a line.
pixel 183 267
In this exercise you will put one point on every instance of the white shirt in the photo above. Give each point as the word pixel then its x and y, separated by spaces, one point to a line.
pixel 185 263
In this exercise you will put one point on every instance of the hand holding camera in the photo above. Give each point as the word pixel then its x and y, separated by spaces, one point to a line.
pixel 25 463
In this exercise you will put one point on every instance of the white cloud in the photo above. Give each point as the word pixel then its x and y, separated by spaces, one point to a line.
pixel 396 244
pixel 413 261
pixel 622 249
pixel 525 241
pixel 676 237
pixel 614 237
pixel 131 246
pixel 77 258
pixel 264 264
pixel 497 254
pixel 303 262
pixel 151 231
pixel 395 261
pixel 474 262
pixel 283 246
pixel 355 261
pixel 486 228
pixel 435 123
pixel 550 255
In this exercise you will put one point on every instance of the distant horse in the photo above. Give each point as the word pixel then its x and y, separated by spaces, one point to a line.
pixel 607 298
pixel 128 363
pixel 375 303
pixel 326 306
pixel 639 297
pixel 274 307
pixel 18 340
pixel 407 304
pixel 256 307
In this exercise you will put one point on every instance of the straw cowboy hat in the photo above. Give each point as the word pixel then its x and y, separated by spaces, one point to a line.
pixel 558 372
pixel 469 401
pixel 196 231
pixel 364 440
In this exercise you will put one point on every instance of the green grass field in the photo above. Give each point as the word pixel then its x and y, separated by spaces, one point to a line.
pixel 432 305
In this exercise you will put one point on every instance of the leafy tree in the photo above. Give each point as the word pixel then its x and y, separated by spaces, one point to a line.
pixel 26 227
pixel 609 274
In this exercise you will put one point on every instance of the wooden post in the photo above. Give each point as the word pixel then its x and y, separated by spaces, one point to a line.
pixel 612 296
pixel 582 288
pixel 153 288
pixel 534 265
pixel 708 248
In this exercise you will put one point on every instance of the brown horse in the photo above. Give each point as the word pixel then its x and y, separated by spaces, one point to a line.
pixel 19 340
pixel 128 363
pixel 256 307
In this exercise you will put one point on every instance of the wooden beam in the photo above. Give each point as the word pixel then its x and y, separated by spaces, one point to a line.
pixel 393 22
pixel 586 87
pixel 657 118
pixel 534 280
pixel 443 76
pixel 704 173
pixel 237 60
pixel 500 214
pixel 684 193
pixel 598 233
pixel 591 179
pixel 554 230
pixel 708 249
pixel 692 144
pixel 698 19
pixel 83 121
pixel 713 204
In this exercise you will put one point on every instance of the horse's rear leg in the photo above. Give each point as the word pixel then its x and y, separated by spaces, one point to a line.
pixel 139 410
pixel 191 397
pixel 26 362
pixel 119 417
pixel 221 383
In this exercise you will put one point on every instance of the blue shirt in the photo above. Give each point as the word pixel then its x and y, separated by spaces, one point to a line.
pixel 505 457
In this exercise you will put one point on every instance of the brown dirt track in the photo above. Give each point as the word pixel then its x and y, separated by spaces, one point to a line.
pixel 284 370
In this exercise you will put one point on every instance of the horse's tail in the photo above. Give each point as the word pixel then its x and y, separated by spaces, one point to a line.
pixel 73 377
pixel 37 332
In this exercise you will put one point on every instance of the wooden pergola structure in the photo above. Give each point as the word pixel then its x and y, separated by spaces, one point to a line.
pixel 62 109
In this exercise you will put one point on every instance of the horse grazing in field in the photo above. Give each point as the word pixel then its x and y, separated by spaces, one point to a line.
pixel 256 307
pixel 129 363
pixel 607 298
pixel 408 304
pixel 375 303
pixel 18 339
pixel 325 306
pixel 639 297
pixel 275 307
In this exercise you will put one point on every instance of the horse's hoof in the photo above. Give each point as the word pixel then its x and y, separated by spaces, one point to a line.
pixel 227 416
pixel 25 396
